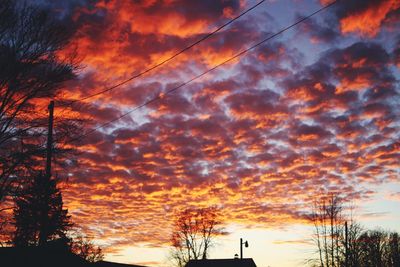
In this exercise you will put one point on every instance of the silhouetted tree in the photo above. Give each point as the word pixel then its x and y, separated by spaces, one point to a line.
pixel 31 67
pixel 84 248
pixel 34 65
pixel 379 248
pixel 193 234
pixel 394 249
pixel 372 248
pixel 353 251
pixel 39 215
pixel 327 217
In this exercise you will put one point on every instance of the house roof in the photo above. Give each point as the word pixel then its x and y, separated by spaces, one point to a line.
pixel 248 262
pixel 114 264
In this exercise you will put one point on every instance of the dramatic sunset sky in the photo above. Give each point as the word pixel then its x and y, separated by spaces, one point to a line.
pixel 312 111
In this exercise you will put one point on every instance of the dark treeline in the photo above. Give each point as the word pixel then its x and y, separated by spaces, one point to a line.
pixel 342 242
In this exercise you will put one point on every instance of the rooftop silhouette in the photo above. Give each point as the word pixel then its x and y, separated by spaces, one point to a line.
pixel 114 264
pixel 247 262
pixel 54 253
pixel 39 257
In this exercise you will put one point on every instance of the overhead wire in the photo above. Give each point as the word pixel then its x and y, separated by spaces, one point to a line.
pixel 205 37
pixel 239 54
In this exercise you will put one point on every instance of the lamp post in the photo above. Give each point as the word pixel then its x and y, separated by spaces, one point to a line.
pixel 246 244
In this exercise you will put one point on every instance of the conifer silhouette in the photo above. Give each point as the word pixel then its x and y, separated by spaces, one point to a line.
pixel 39 215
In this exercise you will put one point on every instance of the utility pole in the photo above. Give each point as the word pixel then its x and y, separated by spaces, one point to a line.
pixel 241 248
pixel 43 234
pixel 50 140
pixel 346 244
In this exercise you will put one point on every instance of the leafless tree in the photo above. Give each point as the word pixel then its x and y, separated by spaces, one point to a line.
pixel 193 234
pixel 351 244
pixel 84 248
pixel 335 232
pixel 328 220
pixel 31 68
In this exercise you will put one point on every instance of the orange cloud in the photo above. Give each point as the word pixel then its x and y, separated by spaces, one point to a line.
pixel 368 22
pixel 256 139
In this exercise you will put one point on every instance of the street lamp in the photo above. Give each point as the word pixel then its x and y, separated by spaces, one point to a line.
pixel 246 244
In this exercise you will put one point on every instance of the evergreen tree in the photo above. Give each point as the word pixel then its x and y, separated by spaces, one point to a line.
pixel 39 215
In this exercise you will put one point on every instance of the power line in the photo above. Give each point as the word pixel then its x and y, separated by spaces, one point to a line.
pixel 168 59
pixel 160 96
